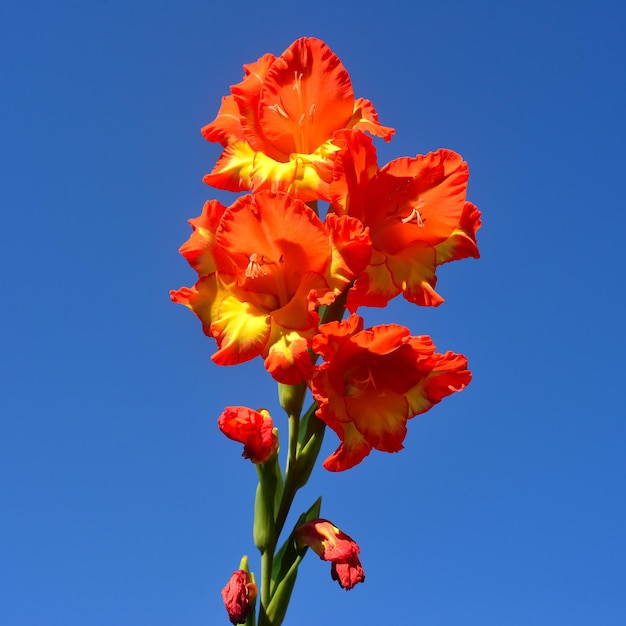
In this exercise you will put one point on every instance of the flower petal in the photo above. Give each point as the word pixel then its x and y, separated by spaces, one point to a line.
pixel 413 269
pixel 433 185
pixel 327 541
pixel 380 419
pixel 247 94
pixel 333 335
pixel 448 374
pixel 241 329
pixel 199 249
pixel 462 242
pixel 347 573
pixel 365 118
pixel 233 169
pixel 353 167
pixel 375 286
pixel 306 96
pixel 352 450
pixel 351 250
pixel 286 236
pixel 199 299
pixel 226 127
pixel 304 176
pixel 288 359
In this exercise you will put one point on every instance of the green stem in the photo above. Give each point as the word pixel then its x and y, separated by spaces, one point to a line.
pixel 285 504
pixel 292 399
pixel 266 580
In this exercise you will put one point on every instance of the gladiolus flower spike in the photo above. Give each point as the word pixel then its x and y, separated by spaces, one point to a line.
pixel 275 278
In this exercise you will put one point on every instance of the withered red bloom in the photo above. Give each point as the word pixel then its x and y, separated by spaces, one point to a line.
pixel 238 596
pixel 265 264
pixel 277 125
pixel 372 381
pixel 331 544
pixel 255 429
pixel 417 214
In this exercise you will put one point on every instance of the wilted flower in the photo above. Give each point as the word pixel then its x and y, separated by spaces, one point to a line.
pixel 331 544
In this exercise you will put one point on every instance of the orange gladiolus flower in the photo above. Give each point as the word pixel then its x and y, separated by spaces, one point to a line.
pixel 255 429
pixel 373 381
pixel 277 125
pixel 265 264
pixel 331 544
pixel 417 215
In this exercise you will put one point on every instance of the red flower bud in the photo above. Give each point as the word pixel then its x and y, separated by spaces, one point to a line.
pixel 239 595
pixel 255 429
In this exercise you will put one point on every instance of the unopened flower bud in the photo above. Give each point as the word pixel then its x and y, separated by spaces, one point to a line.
pixel 255 429
pixel 239 595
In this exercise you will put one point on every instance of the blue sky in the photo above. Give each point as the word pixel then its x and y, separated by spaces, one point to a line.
pixel 121 503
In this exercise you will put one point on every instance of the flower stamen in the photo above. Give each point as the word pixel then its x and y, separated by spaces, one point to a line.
pixel 254 269
pixel 359 385
pixel 297 82
pixel 414 215
pixel 279 110
pixel 256 263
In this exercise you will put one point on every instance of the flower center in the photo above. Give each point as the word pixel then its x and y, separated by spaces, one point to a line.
pixel 260 266
pixel 360 382
pixel 255 266
pixel 302 120
pixel 415 214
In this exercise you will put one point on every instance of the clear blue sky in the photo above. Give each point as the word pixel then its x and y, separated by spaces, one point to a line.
pixel 121 503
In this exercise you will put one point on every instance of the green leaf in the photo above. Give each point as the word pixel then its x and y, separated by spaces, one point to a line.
pixel 290 551
pixel 310 440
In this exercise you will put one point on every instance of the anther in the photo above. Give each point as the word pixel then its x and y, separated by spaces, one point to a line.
pixel 297 84
pixel 360 385
pixel 414 215
pixel 279 110
pixel 254 269
pixel 256 263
